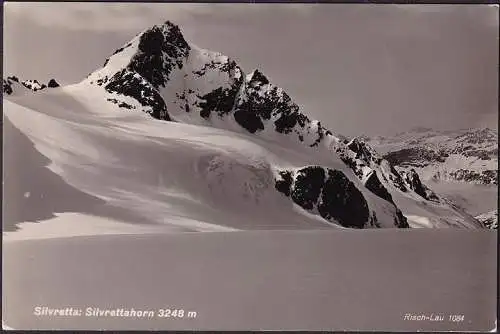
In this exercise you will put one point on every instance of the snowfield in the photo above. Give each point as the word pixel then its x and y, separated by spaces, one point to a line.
pixel 166 176
pixel 257 280
pixel 170 174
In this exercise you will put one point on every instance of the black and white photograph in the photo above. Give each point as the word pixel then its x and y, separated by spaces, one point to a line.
pixel 250 166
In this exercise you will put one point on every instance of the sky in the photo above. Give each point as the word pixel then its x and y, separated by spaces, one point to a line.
pixel 359 68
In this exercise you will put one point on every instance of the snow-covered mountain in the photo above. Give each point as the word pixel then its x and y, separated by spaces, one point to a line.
pixel 182 136
pixel 469 155
pixel 13 86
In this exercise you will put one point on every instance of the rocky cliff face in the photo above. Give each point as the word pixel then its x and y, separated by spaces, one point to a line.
pixel 332 195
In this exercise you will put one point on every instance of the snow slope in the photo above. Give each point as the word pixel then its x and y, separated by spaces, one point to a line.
pixel 165 177
pixel 179 137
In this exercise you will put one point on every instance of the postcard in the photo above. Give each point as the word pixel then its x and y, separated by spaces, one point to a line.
pixel 250 166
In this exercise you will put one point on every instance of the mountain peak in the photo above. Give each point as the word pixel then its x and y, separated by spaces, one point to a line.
pixel 258 76
pixel 153 54
pixel 169 25
pixel 53 83
pixel 153 40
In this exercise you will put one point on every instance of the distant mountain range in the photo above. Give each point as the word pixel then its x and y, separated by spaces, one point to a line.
pixel 489 219
pixel 13 86
pixel 469 155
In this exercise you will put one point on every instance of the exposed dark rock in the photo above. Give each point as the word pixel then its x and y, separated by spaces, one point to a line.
pixel 258 77
pixel 286 122
pixel 342 201
pixel 330 191
pixel 227 66
pixel 133 85
pixel 248 120
pixel 308 184
pixel 412 179
pixel 121 104
pixel 7 87
pixel 373 221
pixel 397 179
pixel 125 105
pixel 149 63
pixel 120 50
pixel 289 115
pixel 363 151
pixel 33 85
pixel 159 54
pixel 220 100
pixel 53 83
pixel 400 220
pixel 284 185
pixel 102 81
pixel 359 148
pixel 375 186
pixel 266 101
